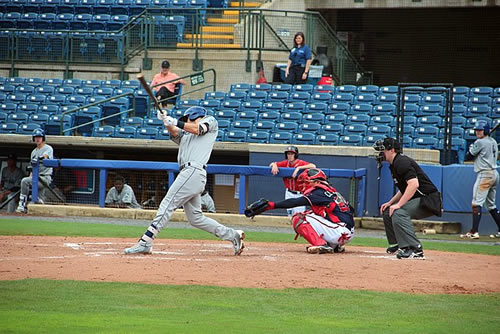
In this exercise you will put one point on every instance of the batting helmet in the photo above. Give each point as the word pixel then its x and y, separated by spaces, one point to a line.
pixel 38 133
pixel 309 175
pixel 293 149
pixel 482 125
pixel 193 113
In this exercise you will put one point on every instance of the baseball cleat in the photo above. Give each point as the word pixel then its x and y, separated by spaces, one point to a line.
pixel 470 235
pixel 324 249
pixel 21 209
pixel 493 236
pixel 339 249
pixel 140 248
pixel 238 243
pixel 392 249
pixel 411 253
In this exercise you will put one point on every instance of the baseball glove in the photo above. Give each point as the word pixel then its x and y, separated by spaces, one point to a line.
pixel 257 207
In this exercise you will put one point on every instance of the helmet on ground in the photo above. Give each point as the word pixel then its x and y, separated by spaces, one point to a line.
pixel 293 149
pixel 38 133
pixel 482 125
pixel 309 175
pixel 193 113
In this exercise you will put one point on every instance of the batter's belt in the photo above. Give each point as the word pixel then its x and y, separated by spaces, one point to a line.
pixel 193 164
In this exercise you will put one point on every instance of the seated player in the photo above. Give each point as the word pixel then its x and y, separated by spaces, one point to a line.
pixel 121 195
pixel 328 225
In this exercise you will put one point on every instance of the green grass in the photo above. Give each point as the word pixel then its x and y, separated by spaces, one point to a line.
pixel 43 306
pixel 48 228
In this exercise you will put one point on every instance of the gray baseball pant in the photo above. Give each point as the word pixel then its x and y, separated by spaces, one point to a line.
pixel 399 228
pixel 27 182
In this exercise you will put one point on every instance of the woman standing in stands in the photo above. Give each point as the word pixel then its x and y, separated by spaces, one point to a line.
pixel 299 61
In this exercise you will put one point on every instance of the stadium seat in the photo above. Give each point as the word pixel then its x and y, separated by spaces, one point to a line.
pixel 459 110
pixel 324 89
pixel 49 109
pixel 56 99
pixel 113 107
pixel 314 118
pixel 368 89
pixel 26 90
pixel 28 108
pixel 113 83
pixel 343 97
pixel 161 135
pixel 117 21
pixel 460 100
pixel 365 98
pixel 138 7
pixel 432 99
pixel 471 122
pixel 220 135
pixel 383 130
pixel 8 127
pixel 104 91
pixel 361 108
pixel 67 6
pixel 483 91
pixel 408 130
pixel 430 110
pixel 317 107
pixel 411 109
pixel 133 121
pixel 351 140
pixel 269 116
pixel 258 137
pixel 252 105
pixel 338 108
pixel 381 120
pixel 327 139
pixel 321 98
pixel 130 84
pixel 65 90
pixel 35 82
pixel 386 98
pixel 291 127
pixel 335 128
pixel 16 98
pixel 279 96
pixel 412 98
pixel 299 97
pixel 225 114
pixel 461 90
pixel 257 95
pixel 53 125
pixel 3 117
pixel 426 131
pixel 291 117
pixel 247 115
pixel 241 87
pixel 96 99
pixel 153 122
pixel 280 138
pixel 309 127
pixel 350 89
pixel 370 139
pixel 210 104
pixel 235 136
pixel 75 99
pixel 94 83
pixel 27 129
pixel 429 120
pixel 19 118
pixel 241 125
pixel 302 88
pixel 261 87
pixel 456 132
pixel 336 118
pixel 355 129
pixel 104 131
pixel 39 118
pixel 8 107
pixel 495 112
pixel 264 125
pixel 75 83
pixel 295 107
pixel 124 132
pixel 303 139
pixel 358 119
pixel 231 104
pixel 281 87
pixel 457 144
pixel 408 120
pixel 272 106
pixel 236 95
pixel 478 111
pixel 86 116
pixel 425 143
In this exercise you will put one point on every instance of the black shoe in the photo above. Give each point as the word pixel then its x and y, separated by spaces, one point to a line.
pixel 339 249
pixel 411 253
pixel 392 249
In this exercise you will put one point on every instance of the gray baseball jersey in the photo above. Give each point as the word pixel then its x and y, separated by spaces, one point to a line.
pixel 11 179
pixel 38 153
pixel 197 149
pixel 485 151
pixel 126 196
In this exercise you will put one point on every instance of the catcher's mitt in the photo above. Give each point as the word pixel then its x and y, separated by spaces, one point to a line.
pixel 257 207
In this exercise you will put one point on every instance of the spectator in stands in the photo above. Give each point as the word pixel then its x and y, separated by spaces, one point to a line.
pixel 407 203
pixel 207 203
pixel 166 91
pixel 41 151
pixel 121 195
pixel 11 181
pixel 291 186
pixel 484 153
pixel 299 61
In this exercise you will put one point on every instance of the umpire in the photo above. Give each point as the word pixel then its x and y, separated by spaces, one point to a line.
pixel 413 185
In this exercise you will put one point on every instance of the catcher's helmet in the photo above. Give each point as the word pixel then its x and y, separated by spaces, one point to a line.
pixel 38 133
pixel 482 125
pixel 193 113
pixel 293 149
pixel 387 143
pixel 309 175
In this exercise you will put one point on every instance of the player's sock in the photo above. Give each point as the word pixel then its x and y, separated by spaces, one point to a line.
pixel 496 216
pixel 22 201
pixel 476 218
pixel 150 234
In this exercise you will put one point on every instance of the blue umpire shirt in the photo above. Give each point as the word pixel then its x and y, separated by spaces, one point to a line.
pixel 300 55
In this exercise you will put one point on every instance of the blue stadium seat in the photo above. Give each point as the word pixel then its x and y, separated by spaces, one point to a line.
pixel 3 117
pixel 484 91
pixel 241 125
pixel 470 135
pixel 426 131
pixel 355 129
pixel 272 106
pixel 124 132
pixel 316 107
pixel 75 99
pixel 336 118
pixel 85 116
pixel 8 107
pixel 258 137
pixel 27 129
pixel 309 127
pixel 480 99
pixel 478 111
pixel 321 98
pixel 19 118
pixel 264 125
pixel 247 115
pixel 291 127
pixel 95 99
pixel 383 130
pixel 365 98
pixel 361 108
pixel 113 107
pixel 303 139
pixel 299 97
pixel 430 110
pixel 343 97
pixel 252 105
pixel 461 90
pixel 335 128
pixel 49 109
pixel 120 91
pixel 56 99
pixel 161 135
pixel 7 89
pixel 67 6
pixel 210 104
pixel 261 87
pixel 456 132
pixel 32 6
pixel 457 144
pixel 53 82
pixel 496 102
pixel 72 83
pixel 16 98
pixel 496 92
pixel 358 119
pixel 53 126
pixel 104 131
pixel 429 120
pixel 27 21
pixel 116 22
pixel 370 139
pixel 231 104
pixel 411 109
pixel 458 110
pixel 153 122
pixel 8 128
pixel 412 98
pixel 291 117
pixel 113 83
pixel 215 95
pixel 240 87
pixel 295 107
pixel 130 84
pixel 381 120
pixel 327 139
pixel 495 112
pixel 408 120
pixel 368 89
pixel 65 90
pixel 302 88
pixel 94 83
pixel 350 89
pixel 40 118
pixel 460 100
pixel 425 143
pixel 269 116
pixel 324 89
pixel 225 114
pixel 351 140
pixel 281 87
pixel 35 82
pixel 430 99
pixel 338 108
pixel 258 95
pixel 224 124
pixel 386 98
pixel 139 6
pixel 220 135
pixel 133 121
pixel 471 122
pixel 239 136
pixel 28 108
pixel 62 21
pixel 313 118
pixel 104 91
pixel 236 95
pixel 279 96
pixel 14 81
pixel 280 138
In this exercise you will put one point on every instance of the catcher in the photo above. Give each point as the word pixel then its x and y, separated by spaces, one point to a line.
pixel 328 225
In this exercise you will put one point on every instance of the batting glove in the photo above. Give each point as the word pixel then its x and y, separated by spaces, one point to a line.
pixel 170 121
pixel 160 115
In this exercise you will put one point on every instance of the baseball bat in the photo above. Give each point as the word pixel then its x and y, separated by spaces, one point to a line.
pixel 495 128
pixel 148 90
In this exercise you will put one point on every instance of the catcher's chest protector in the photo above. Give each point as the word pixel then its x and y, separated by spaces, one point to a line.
pixel 337 201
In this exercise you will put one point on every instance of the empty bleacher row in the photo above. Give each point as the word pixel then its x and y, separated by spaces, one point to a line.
pixel 301 114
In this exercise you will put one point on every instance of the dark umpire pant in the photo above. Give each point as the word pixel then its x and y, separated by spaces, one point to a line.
pixel 399 228
pixel 165 96
pixel 295 75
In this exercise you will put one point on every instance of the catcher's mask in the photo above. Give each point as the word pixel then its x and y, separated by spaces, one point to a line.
pixel 292 149
pixel 193 113
pixel 309 175
pixel 387 143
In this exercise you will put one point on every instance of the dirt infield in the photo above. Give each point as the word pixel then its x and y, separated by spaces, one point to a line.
pixel 262 265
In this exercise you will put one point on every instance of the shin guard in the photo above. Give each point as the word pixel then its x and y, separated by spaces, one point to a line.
pixel 304 229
